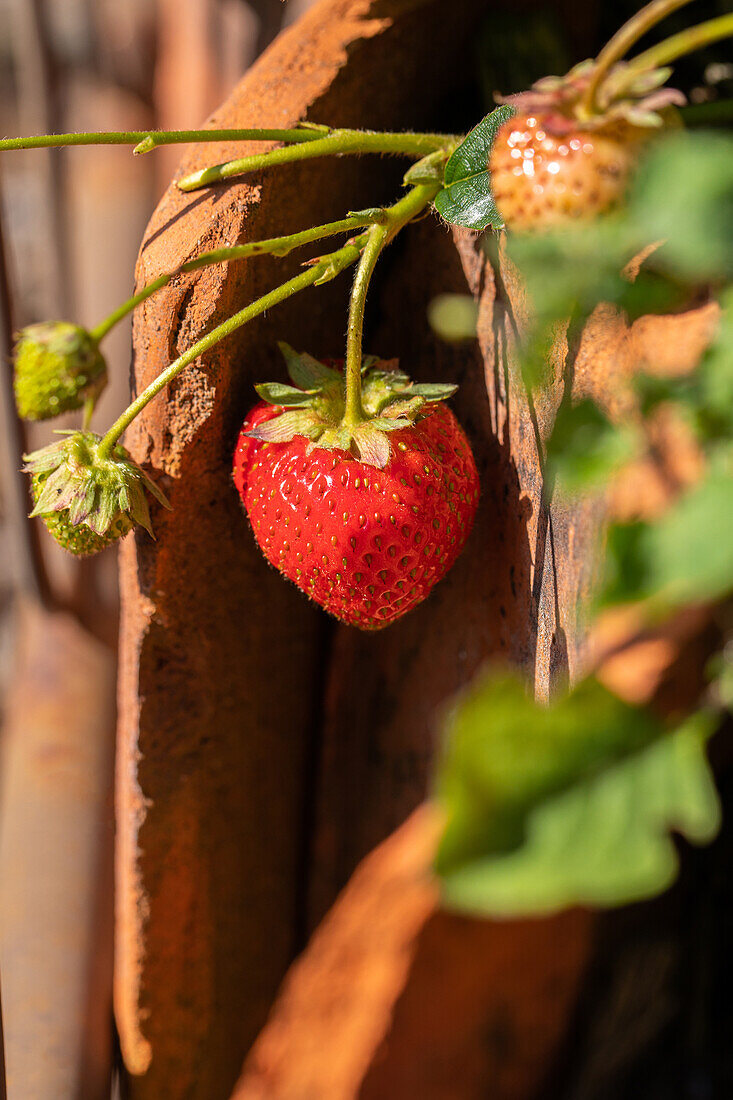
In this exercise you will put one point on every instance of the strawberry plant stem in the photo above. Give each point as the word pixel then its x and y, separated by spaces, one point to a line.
pixel 88 412
pixel 324 269
pixel 279 246
pixel 149 139
pixel 693 38
pixel 337 143
pixel 354 141
pixel 624 38
pixel 395 218
pixel 353 411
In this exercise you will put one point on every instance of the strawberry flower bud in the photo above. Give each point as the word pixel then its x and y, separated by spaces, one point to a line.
pixel 58 366
pixel 87 500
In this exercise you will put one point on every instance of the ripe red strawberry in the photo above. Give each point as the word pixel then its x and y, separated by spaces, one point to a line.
pixel 366 543
pixel 553 163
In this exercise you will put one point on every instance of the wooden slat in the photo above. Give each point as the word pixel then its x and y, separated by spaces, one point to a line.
pixel 56 834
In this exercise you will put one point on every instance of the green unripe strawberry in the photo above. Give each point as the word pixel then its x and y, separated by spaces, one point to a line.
pixel 58 366
pixel 87 498
pixel 77 538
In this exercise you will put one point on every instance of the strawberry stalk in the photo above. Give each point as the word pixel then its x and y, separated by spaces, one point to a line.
pixel 145 140
pixel 323 270
pixel 336 143
pixel 385 224
pixel 380 234
pixel 353 410
pixel 88 411
pixel 623 40
pixel 277 246
pixel 687 41
pixel 319 140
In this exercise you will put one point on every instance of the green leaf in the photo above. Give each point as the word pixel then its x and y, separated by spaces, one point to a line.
pixel 719 672
pixel 573 268
pixel 686 556
pixel 572 803
pixel 585 448
pixel 691 547
pixel 306 372
pixel 466 198
pixel 626 567
pixel 713 381
pixel 706 395
pixel 683 194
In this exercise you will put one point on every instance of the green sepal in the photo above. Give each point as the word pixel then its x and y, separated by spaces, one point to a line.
pixel 433 391
pixel 75 486
pixel 286 426
pixel 377 215
pixel 331 270
pixel 428 170
pixel 403 406
pixel 386 425
pixel 277 393
pixel 315 406
pixel 368 362
pixel 466 198
pixel 373 446
pixel 306 372
pixel 380 386
pixel 137 507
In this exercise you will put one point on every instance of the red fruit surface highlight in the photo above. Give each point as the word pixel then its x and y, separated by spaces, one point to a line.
pixel 366 544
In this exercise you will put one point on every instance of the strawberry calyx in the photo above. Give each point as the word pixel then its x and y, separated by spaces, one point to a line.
pixel 625 94
pixel 314 406
pixel 91 490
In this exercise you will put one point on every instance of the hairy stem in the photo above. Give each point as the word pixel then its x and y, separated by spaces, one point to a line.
pixel 618 46
pixel 149 139
pixel 693 38
pixel 353 412
pixel 336 143
pixel 278 246
pixel 395 218
pixel 321 271
pixel 88 412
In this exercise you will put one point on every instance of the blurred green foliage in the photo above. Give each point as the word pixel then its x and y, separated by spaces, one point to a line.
pixel 565 804
pixel 585 448
pixel 574 802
